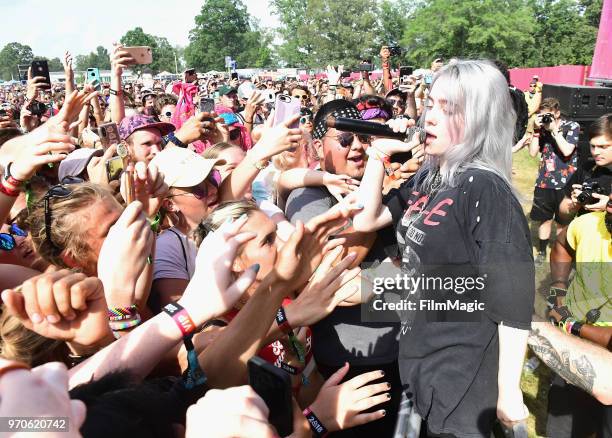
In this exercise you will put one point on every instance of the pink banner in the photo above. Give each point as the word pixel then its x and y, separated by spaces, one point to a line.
pixel 561 74
pixel 602 58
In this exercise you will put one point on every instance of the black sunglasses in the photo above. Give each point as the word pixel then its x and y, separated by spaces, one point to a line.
pixel 346 138
pixel 59 191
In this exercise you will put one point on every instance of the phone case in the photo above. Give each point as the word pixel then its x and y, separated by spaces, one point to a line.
pixel 141 54
pixel 109 134
pixel 114 167
pixel 41 68
pixel 285 108
pixel 93 78
pixel 273 385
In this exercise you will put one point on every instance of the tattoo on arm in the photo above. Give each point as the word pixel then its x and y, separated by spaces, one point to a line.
pixel 575 369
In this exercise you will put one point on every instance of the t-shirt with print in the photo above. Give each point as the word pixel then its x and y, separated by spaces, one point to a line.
pixel 555 169
pixel 343 336
pixel 590 288
pixel 476 229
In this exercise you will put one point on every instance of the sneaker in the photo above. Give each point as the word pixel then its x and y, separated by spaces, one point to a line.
pixel 540 259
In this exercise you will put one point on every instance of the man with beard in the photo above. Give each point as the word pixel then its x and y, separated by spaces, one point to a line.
pixel 344 336
pixel 584 309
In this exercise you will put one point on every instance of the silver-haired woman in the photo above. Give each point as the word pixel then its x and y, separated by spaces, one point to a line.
pixel 464 240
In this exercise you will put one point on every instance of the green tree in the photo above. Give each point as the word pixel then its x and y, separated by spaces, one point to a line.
pixel 328 31
pixel 100 58
pixel 224 28
pixel 12 55
pixel 163 52
pixel 565 32
pixel 470 28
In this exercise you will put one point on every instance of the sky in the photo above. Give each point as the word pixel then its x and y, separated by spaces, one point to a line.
pixel 50 27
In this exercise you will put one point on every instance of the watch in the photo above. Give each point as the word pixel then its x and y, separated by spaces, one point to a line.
pixel 171 137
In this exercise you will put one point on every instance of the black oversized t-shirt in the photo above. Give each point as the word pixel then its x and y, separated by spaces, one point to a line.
pixel 476 228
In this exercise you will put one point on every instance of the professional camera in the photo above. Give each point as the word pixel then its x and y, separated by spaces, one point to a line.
pixel 588 188
pixel 547 118
pixel 395 50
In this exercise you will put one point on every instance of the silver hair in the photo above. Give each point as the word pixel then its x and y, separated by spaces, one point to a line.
pixel 478 96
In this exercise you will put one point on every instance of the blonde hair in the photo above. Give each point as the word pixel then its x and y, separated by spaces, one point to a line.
pixel 66 229
pixel 23 345
pixel 223 212
pixel 214 151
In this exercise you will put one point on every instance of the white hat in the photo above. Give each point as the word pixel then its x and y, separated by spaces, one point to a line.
pixel 182 167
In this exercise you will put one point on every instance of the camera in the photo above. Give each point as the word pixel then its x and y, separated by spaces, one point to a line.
pixel 547 118
pixel 588 188
pixel 395 50
pixel 38 108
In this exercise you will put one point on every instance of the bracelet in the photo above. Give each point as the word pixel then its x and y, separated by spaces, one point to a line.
pixel 122 313
pixel 115 92
pixel 9 191
pixel 296 345
pixel 118 326
pixel 10 178
pixel 282 321
pixel 180 317
pixel 171 137
pixel 259 165
pixel 316 426
pixel 576 327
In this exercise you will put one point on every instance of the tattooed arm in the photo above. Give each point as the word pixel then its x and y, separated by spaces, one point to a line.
pixel 579 362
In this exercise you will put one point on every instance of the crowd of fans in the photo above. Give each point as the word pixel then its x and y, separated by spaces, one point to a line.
pixel 141 273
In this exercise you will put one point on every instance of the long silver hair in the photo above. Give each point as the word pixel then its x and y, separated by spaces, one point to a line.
pixel 478 97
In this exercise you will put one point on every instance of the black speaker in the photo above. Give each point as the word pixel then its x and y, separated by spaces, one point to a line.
pixel 580 102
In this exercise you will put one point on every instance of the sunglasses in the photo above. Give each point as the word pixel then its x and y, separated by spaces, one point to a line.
pixel 305 119
pixel 302 96
pixel 7 241
pixel 346 138
pixel 396 102
pixel 59 191
pixel 201 191
pixel 234 134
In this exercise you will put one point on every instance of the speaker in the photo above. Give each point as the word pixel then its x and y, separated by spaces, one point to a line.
pixel 580 102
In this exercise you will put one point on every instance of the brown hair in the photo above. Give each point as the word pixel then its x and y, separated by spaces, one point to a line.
pixel 23 345
pixel 66 227
pixel 223 212
pixel 601 126
pixel 550 103
pixel 214 151
pixel 163 100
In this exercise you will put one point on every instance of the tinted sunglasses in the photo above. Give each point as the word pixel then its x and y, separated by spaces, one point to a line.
pixel 201 191
pixel 7 241
pixel 346 138
pixel 59 191
pixel 302 96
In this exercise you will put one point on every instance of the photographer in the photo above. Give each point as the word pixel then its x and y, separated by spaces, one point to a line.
pixel 589 187
pixel 555 139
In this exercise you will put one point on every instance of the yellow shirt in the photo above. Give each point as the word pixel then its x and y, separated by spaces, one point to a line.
pixel 592 285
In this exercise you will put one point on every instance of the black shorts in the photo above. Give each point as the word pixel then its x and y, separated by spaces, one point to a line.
pixel 546 205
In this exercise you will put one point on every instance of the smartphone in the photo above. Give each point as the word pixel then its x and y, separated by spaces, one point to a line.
pixel 428 79
pixel 41 68
pixel 345 74
pixel 286 107
pixel 141 54
pixel 405 71
pixel 234 75
pixel 366 65
pixel 109 134
pixel 93 78
pixel 114 167
pixel 273 385
pixel 207 105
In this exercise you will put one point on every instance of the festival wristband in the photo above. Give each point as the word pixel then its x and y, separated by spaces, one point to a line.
pixel 122 313
pixel 296 345
pixel 576 327
pixel 115 92
pixel 10 179
pixel 282 321
pixel 171 137
pixel 118 326
pixel 316 426
pixel 180 317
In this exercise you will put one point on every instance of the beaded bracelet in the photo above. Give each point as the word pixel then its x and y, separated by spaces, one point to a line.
pixel 118 326
pixel 122 313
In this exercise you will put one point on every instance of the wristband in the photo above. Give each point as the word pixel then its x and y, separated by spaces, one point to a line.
pixel 115 92
pixel 118 326
pixel 171 137
pixel 576 327
pixel 316 426
pixel 282 321
pixel 10 178
pixel 180 317
pixel 122 313
pixel 296 345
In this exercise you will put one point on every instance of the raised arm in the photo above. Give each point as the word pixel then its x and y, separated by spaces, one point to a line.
pixel 120 59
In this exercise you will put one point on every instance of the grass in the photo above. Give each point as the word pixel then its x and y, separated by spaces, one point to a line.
pixel 534 384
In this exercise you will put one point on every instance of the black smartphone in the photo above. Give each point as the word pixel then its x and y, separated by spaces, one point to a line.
pixel 345 74
pixel 41 68
pixel 234 75
pixel 207 105
pixel 273 385
pixel 405 70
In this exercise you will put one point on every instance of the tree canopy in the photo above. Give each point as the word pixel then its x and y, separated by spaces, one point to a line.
pixel 11 56
pixel 163 52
